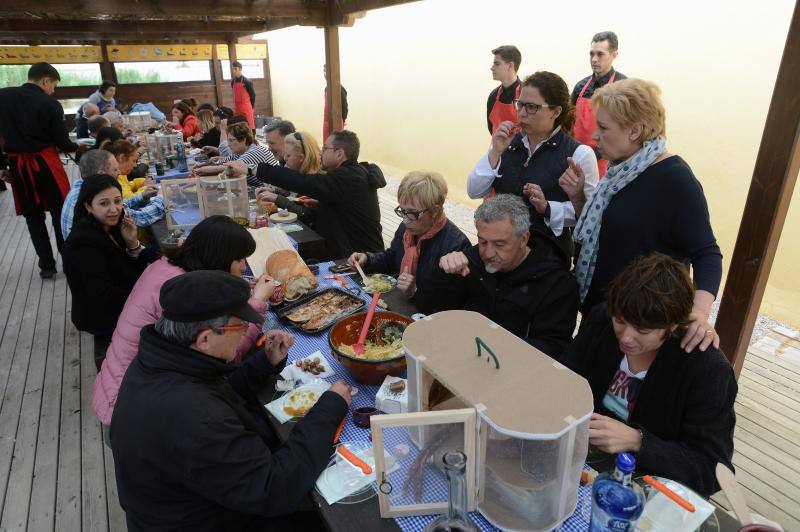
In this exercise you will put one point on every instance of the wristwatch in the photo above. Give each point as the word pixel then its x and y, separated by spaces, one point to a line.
pixel 251 170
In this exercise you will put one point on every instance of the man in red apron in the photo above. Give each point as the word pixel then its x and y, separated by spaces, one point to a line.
pixel 244 95
pixel 327 129
pixel 500 105
pixel 602 54
pixel 32 126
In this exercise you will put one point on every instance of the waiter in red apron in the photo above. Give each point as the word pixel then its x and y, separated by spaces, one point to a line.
pixel 602 54
pixel 244 95
pixel 33 130
pixel 500 105
pixel 327 128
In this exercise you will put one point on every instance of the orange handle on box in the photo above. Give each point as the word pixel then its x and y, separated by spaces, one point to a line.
pixel 355 460
pixel 680 501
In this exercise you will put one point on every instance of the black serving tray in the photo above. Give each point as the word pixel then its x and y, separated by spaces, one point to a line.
pixel 287 309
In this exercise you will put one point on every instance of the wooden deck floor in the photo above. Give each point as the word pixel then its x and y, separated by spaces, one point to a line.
pixel 56 474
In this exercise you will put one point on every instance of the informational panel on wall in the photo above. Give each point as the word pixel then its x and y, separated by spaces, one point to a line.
pixel 25 55
pixel 149 52
pixel 244 51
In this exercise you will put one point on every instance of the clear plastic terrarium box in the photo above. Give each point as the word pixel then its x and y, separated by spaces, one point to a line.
pixel 223 195
pixel 183 203
pixel 531 435
pixel 137 122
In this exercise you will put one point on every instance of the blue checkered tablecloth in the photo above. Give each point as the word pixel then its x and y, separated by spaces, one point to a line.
pixel 306 344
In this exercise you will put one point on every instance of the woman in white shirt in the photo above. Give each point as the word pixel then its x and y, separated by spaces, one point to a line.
pixel 529 158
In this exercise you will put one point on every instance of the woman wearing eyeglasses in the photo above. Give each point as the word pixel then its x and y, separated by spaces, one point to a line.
pixel 424 236
pixel 301 153
pixel 528 158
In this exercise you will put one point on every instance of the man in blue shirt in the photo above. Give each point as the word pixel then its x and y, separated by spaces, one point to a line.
pixel 145 209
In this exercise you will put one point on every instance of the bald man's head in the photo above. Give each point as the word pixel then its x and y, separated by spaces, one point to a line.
pixel 90 110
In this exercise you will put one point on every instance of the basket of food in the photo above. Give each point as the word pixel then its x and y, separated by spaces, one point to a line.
pixel 384 346
pixel 316 312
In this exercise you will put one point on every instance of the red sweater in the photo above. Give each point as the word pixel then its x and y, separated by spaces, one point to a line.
pixel 188 127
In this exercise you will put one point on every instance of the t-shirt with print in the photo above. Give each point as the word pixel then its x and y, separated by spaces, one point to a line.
pixel 623 391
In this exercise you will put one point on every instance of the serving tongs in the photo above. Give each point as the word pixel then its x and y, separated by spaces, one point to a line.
pixel 359 347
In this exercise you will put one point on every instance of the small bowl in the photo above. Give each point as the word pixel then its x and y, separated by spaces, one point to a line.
pixel 346 331
pixel 361 416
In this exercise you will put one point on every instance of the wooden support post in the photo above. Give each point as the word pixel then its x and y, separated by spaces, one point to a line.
pixel 333 77
pixel 216 71
pixel 107 70
pixel 774 177
pixel 232 51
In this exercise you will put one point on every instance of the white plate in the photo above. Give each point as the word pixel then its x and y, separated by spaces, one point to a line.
pixel 276 407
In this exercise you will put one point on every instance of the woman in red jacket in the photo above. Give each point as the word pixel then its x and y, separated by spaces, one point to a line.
pixel 183 120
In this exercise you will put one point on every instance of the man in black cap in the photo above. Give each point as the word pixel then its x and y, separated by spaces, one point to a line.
pixel 192 444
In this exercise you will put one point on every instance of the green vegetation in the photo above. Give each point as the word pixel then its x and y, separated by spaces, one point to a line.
pixel 129 75
pixel 15 75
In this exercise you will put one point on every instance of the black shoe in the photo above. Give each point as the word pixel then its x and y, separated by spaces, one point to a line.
pixel 47 273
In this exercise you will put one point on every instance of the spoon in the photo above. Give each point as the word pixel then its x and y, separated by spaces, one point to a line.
pixel 362 274
pixel 359 348
pixel 729 484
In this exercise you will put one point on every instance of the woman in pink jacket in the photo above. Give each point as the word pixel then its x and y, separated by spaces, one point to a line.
pixel 216 243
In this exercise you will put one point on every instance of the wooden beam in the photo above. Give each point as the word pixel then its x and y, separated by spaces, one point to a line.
pixel 163 9
pixel 334 83
pixel 121 38
pixel 216 71
pixel 774 177
pixel 41 25
pixel 107 70
pixel 353 6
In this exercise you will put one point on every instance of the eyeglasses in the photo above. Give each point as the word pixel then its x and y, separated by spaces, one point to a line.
pixel 411 215
pixel 221 330
pixel 530 107
pixel 328 148
pixel 298 137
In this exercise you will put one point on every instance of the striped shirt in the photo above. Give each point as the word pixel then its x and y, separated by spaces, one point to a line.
pixel 254 155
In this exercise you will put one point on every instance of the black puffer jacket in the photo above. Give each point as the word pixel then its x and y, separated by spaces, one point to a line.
pixel 348 217
pixel 538 301
pixel 194 449
pixel 684 408
pixel 426 299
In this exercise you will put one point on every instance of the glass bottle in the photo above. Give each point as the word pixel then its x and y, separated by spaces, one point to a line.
pixel 454 464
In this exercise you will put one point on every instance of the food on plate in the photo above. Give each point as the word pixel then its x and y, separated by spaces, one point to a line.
pixel 375 351
pixel 311 365
pixel 287 266
pixel 379 283
pixel 322 310
pixel 299 402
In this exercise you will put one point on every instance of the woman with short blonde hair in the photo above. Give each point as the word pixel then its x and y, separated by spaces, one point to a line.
pixel 424 236
pixel 648 201
pixel 301 154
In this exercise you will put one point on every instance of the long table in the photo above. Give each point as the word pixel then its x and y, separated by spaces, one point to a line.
pixel 366 515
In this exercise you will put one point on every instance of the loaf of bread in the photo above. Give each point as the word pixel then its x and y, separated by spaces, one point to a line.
pixel 287 266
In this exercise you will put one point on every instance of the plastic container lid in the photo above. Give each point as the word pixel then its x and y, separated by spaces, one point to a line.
pixel 626 463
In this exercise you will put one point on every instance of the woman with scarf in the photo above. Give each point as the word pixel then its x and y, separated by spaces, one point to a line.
pixel 648 201
pixel 424 236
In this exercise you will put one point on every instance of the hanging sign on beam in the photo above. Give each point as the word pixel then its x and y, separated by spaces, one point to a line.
pixel 25 55
pixel 244 51
pixel 156 52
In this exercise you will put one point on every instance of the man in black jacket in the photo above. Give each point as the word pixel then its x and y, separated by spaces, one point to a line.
pixel 525 289
pixel 348 217
pixel 192 444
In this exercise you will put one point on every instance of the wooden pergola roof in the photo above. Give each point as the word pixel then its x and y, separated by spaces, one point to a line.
pixel 155 21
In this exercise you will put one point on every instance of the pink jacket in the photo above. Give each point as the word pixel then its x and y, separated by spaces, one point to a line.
pixel 142 308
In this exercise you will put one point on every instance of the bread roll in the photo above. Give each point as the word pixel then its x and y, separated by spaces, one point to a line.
pixel 287 266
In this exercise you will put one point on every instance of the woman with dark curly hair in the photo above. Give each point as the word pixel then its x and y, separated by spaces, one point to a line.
pixel 672 408
pixel 528 158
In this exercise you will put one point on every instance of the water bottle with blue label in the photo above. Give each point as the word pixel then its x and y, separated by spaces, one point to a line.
pixel 180 155
pixel 617 502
